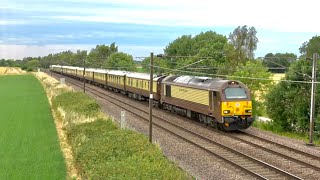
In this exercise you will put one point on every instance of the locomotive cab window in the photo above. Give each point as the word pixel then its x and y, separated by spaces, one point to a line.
pixel 235 93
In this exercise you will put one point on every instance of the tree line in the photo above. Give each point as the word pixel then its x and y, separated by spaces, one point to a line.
pixel 102 56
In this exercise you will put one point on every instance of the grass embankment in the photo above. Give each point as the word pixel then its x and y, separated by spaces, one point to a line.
pixel 101 150
pixel 268 126
pixel 29 148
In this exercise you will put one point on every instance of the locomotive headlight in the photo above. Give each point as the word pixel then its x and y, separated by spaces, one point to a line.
pixel 249 111
pixel 226 111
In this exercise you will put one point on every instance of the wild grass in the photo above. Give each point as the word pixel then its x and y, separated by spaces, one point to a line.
pixel 29 148
pixel 69 101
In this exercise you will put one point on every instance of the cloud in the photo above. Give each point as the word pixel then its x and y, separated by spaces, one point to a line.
pixel 141 51
pixel 12 22
pixel 275 15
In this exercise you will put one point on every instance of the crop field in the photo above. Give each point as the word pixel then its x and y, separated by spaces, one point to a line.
pixel 3 70
pixel 29 147
pixel 10 71
pixel 278 76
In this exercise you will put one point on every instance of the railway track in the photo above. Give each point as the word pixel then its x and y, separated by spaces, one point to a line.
pixel 306 159
pixel 246 163
pixel 294 155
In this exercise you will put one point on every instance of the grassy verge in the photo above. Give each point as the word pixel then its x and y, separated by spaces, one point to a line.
pixel 267 126
pixel 29 148
pixel 101 150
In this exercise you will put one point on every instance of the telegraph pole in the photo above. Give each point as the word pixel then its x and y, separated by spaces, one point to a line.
pixel 151 97
pixel 84 75
pixel 313 94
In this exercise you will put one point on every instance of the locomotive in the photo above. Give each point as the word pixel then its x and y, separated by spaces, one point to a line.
pixel 224 104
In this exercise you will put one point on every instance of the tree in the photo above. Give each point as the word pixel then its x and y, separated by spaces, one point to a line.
pixel 230 60
pixel 78 57
pixel 121 61
pixel 288 103
pixel 244 41
pixel 309 47
pixel 32 65
pixel 255 70
pixel 100 54
pixel 157 62
pixel 279 61
pixel 2 63
pixel 207 44
pixel 182 46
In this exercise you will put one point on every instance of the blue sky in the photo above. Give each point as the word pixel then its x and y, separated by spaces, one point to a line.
pixel 37 28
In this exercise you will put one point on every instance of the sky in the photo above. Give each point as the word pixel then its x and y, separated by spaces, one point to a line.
pixel 40 27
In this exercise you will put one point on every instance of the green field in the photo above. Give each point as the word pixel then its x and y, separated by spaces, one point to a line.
pixel 29 147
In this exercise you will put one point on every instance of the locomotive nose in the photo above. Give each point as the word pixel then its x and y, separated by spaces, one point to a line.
pixel 239 108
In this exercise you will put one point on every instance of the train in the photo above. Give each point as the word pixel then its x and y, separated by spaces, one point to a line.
pixel 220 103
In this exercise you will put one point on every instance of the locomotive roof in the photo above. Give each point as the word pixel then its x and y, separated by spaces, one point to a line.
pixel 197 82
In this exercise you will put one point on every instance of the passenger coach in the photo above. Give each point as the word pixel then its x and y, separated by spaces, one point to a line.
pixel 137 85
